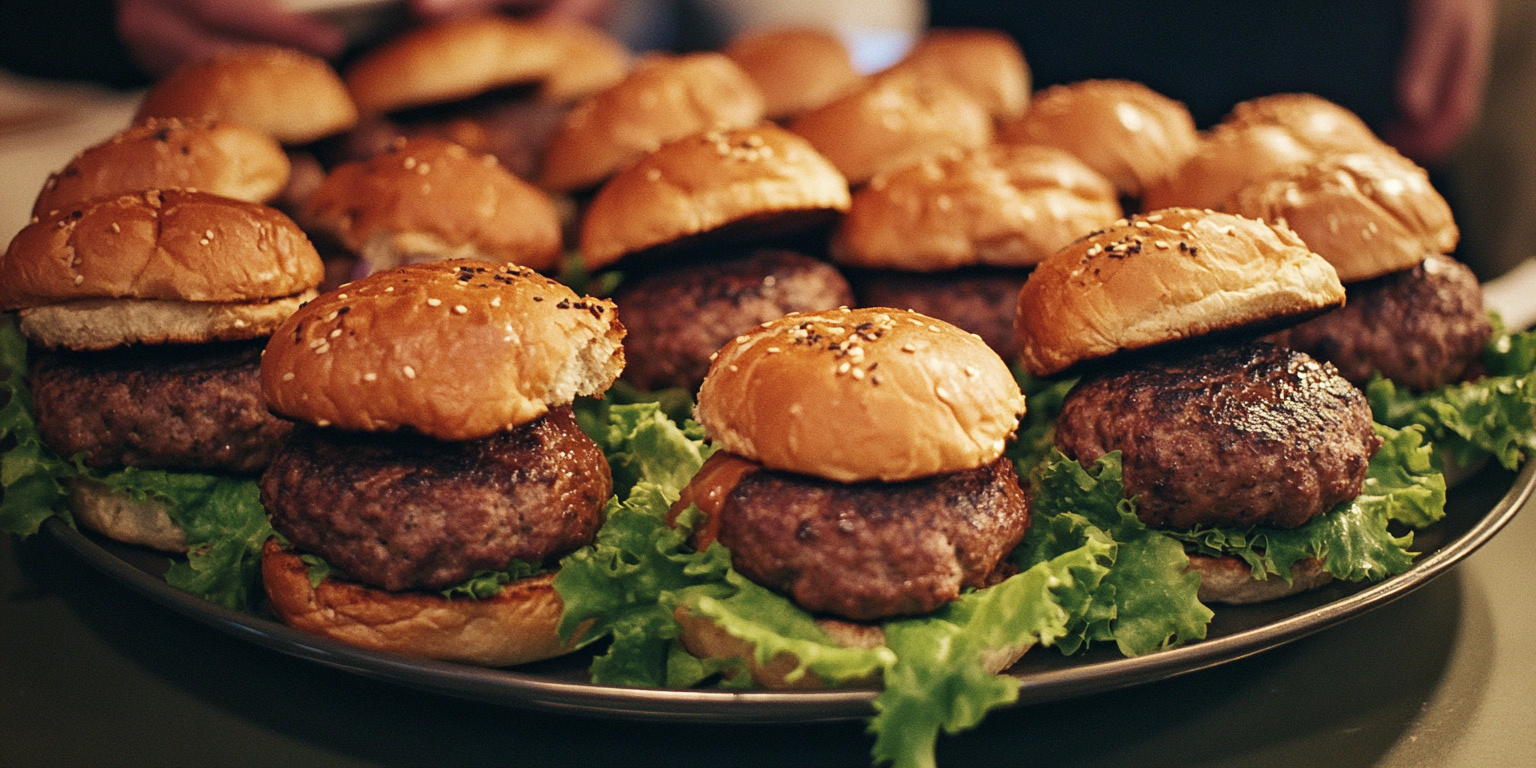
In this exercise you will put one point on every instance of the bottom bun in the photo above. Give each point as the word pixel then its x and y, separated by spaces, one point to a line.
pixel 1229 580
pixel 706 640
pixel 119 516
pixel 514 627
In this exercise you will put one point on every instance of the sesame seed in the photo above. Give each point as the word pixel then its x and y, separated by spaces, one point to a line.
pixel 316 343
pixel 1160 243
pixel 970 370
pixel 842 369
pixel 323 422
pixel 323 348
pixel 343 295
pixel 240 323
pixel 335 333
pixel 390 289
pixel 288 376
pixel 370 376
pixel 410 162
pixel 116 230
pixel 424 168
pixel 858 373
pixel 773 350
pixel 653 174
pixel 713 355
pixel 506 338
pixel 1185 226
pixel 203 241
pixel 460 309
pixel 909 347
pixel 495 301
pixel 79 279
pixel 734 368
pixel 434 302
pixel 857 353
pixel 941 392
pixel 933 328
pixel 1142 225
pixel 741 339
pixel 1156 217
pixel 208 233
pixel 410 373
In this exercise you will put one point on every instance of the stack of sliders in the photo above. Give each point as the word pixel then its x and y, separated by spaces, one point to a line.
pixel 437 468
pixel 151 309
pixel 689 224
pixel 1243 450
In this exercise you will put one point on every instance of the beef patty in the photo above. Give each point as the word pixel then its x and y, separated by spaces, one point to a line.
pixel 1422 328
pixel 174 406
pixel 1248 434
pixel 401 511
pixel 679 317
pixel 873 550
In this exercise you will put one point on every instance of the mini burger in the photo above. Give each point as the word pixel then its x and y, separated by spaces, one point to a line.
pixel 1213 432
pixel 860 469
pixel 151 309
pixel 436 454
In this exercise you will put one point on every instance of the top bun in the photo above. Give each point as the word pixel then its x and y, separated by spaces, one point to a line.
pixel 861 394
pixel 1368 214
pixel 1169 275
pixel 219 158
pixel 427 199
pixel 663 99
pixel 450 61
pixel 1124 130
pixel 1313 121
pixel 168 245
pixel 797 70
pixel 457 350
pixel 1003 205
pixel 984 63
pixel 894 120
pixel 590 60
pixel 292 97
pixel 706 182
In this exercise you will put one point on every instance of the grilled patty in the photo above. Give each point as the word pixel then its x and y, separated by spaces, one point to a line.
pixel 401 511
pixel 873 550
pixel 1248 434
pixel 175 406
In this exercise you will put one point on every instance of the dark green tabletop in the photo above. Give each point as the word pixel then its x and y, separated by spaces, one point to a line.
pixel 93 674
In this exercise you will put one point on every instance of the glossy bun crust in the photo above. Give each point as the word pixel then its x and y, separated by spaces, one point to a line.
pixel 218 158
pixel 457 350
pixel 796 69
pixel 705 182
pixel 1169 275
pixel 291 96
pixel 515 626
pixel 864 394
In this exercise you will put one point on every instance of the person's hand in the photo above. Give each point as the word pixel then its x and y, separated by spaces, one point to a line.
pixel 590 11
pixel 1441 75
pixel 164 34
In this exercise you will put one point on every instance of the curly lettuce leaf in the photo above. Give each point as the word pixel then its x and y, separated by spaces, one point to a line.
pixel 1036 435
pixel 644 444
pixel 1354 541
pixel 1147 602
pixel 31 476
pixel 484 585
pixel 1493 416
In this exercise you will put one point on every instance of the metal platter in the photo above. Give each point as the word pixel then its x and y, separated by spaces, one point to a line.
pixel 1478 508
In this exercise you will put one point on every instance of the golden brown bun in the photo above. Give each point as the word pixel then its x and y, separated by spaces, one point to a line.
pixel 95 324
pixel 218 158
pixel 171 245
pixel 797 70
pixel 1228 159
pixel 116 515
pixel 1124 130
pixel 704 182
pixel 427 199
pixel 451 60
pixel 1003 205
pixel 291 96
pixel 1168 275
pixel 1229 580
pixel 1367 214
pixel 457 350
pixel 590 60
pixel 893 121
pixel 514 627
pixel 985 63
pixel 662 99
pixel 1313 121
pixel 903 397
pixel 705 639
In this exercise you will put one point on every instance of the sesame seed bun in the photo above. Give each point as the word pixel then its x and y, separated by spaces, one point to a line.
pixel 984 63
pixel 1000 205
pixel 662 99
pixel 456 350
pixel 893 121
pixel 451 60
pixel 862 394
pixel 1314 121
pixel 796 69
pixel 1169 275
pixel 706 182
pixel 1367 214
pixel 516 626
pixel 170 245
pixel 426 199
pixel 1227 159
pixel 218 158
pixel 1124 130
pixel 292 97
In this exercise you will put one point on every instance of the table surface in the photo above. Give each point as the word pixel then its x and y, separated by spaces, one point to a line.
pixel 93 674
